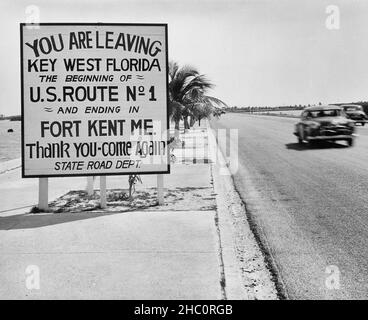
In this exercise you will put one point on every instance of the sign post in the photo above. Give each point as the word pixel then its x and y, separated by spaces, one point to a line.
pixel 160 189
pixel 103 192
pixel 90 184
pixel 94 101
pixel 43 194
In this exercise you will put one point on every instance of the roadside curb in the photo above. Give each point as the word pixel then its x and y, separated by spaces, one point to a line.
pixel 245 271
pixel 233 280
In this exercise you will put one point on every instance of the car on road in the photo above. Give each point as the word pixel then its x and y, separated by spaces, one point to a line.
pixel 325 123
pixel 355 112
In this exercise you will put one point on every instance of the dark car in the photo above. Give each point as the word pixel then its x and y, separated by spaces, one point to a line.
pixel 355 112
pixel 329 123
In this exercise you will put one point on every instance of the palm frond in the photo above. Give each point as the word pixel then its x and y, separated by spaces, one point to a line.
pixel 173 69
pixel 176 110
pixel 187 94
pixel 179 80
pixel 186 71
pixel 216 101
pixel 199 82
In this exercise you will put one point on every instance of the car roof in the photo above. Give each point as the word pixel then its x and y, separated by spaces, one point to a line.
pixel 326 107
pixel 351 105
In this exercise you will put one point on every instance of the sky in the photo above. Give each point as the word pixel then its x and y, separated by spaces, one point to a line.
pixel 257 53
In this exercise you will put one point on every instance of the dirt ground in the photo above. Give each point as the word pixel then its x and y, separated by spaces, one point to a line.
pixel 177 199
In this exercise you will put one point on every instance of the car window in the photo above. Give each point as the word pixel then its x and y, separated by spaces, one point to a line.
pixel 352 108
pixel 325 113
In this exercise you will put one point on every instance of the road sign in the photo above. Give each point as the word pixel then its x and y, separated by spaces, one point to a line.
pixel 94 99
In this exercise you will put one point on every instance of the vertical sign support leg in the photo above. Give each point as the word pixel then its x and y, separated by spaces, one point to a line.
pixel 160 189
pixel 43 194
pixel 90 181
pixel 103 192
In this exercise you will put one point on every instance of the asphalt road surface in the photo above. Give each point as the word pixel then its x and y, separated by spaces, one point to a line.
pixel 309 204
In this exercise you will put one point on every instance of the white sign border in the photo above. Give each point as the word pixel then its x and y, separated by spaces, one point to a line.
pixel 22 26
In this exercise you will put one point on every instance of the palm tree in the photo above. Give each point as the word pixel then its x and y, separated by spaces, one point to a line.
pixel 205 106
pixel 187 88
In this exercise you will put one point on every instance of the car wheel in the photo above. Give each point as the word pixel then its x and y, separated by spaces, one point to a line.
pixel 363 124
pixel 350 142
pixel 301 135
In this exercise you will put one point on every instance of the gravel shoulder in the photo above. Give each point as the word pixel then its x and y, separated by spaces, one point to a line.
pixel 240 249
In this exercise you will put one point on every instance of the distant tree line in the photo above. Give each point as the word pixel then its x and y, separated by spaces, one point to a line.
pixel 266 108
pixel 251 109
pixel 12 118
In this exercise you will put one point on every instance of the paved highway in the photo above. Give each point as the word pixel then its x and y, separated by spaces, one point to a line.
pixel 309 204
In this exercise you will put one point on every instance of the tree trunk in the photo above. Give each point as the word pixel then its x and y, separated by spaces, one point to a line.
pixel 199 122
pixel 186 124
pixel 177 128
pixel 192 121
